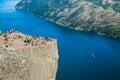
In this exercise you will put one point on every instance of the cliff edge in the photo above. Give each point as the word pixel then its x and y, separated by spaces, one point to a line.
pixel 25 57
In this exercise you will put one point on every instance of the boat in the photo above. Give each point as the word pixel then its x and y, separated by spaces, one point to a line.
pixel 93 55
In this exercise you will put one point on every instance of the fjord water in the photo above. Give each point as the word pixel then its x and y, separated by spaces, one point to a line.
pixel 82 55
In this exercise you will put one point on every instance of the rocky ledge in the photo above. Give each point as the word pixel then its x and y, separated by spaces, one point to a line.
pixel 25 57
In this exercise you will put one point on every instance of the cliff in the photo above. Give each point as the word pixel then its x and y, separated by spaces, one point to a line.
pixel 98 16
pixel 24 61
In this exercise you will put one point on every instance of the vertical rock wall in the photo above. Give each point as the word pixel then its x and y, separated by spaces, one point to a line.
pixel 29 63
pixel 44 60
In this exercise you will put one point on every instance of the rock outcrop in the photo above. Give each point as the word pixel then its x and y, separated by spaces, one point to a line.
pixel 23 61
pixel 99 16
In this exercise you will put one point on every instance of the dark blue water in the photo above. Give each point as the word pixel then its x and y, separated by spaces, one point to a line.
pixel 75 47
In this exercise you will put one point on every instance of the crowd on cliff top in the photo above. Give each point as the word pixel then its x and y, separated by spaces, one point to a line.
pixel 12 37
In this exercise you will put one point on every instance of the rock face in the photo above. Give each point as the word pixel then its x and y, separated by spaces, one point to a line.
pixel 27 62
pixel 13 66
pixel 44 61
pixel 99 16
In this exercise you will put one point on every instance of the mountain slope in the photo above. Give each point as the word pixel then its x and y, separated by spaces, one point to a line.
pixel 99 16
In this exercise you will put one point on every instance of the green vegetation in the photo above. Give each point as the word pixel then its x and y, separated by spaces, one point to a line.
pixel 116 7
pixel 98 16
pixel 109 6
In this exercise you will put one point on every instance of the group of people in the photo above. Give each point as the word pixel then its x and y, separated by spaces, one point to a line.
pixel 17 35
pixel 28 40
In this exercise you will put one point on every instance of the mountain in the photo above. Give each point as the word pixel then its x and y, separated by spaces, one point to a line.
pixel 98 16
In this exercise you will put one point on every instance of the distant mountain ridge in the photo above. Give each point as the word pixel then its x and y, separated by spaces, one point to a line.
pixel 99 16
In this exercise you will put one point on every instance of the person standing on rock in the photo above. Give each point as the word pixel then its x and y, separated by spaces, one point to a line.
pixel 5 35
pixel 32 42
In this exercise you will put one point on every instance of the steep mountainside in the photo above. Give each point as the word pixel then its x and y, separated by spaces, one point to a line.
pixel 99 16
